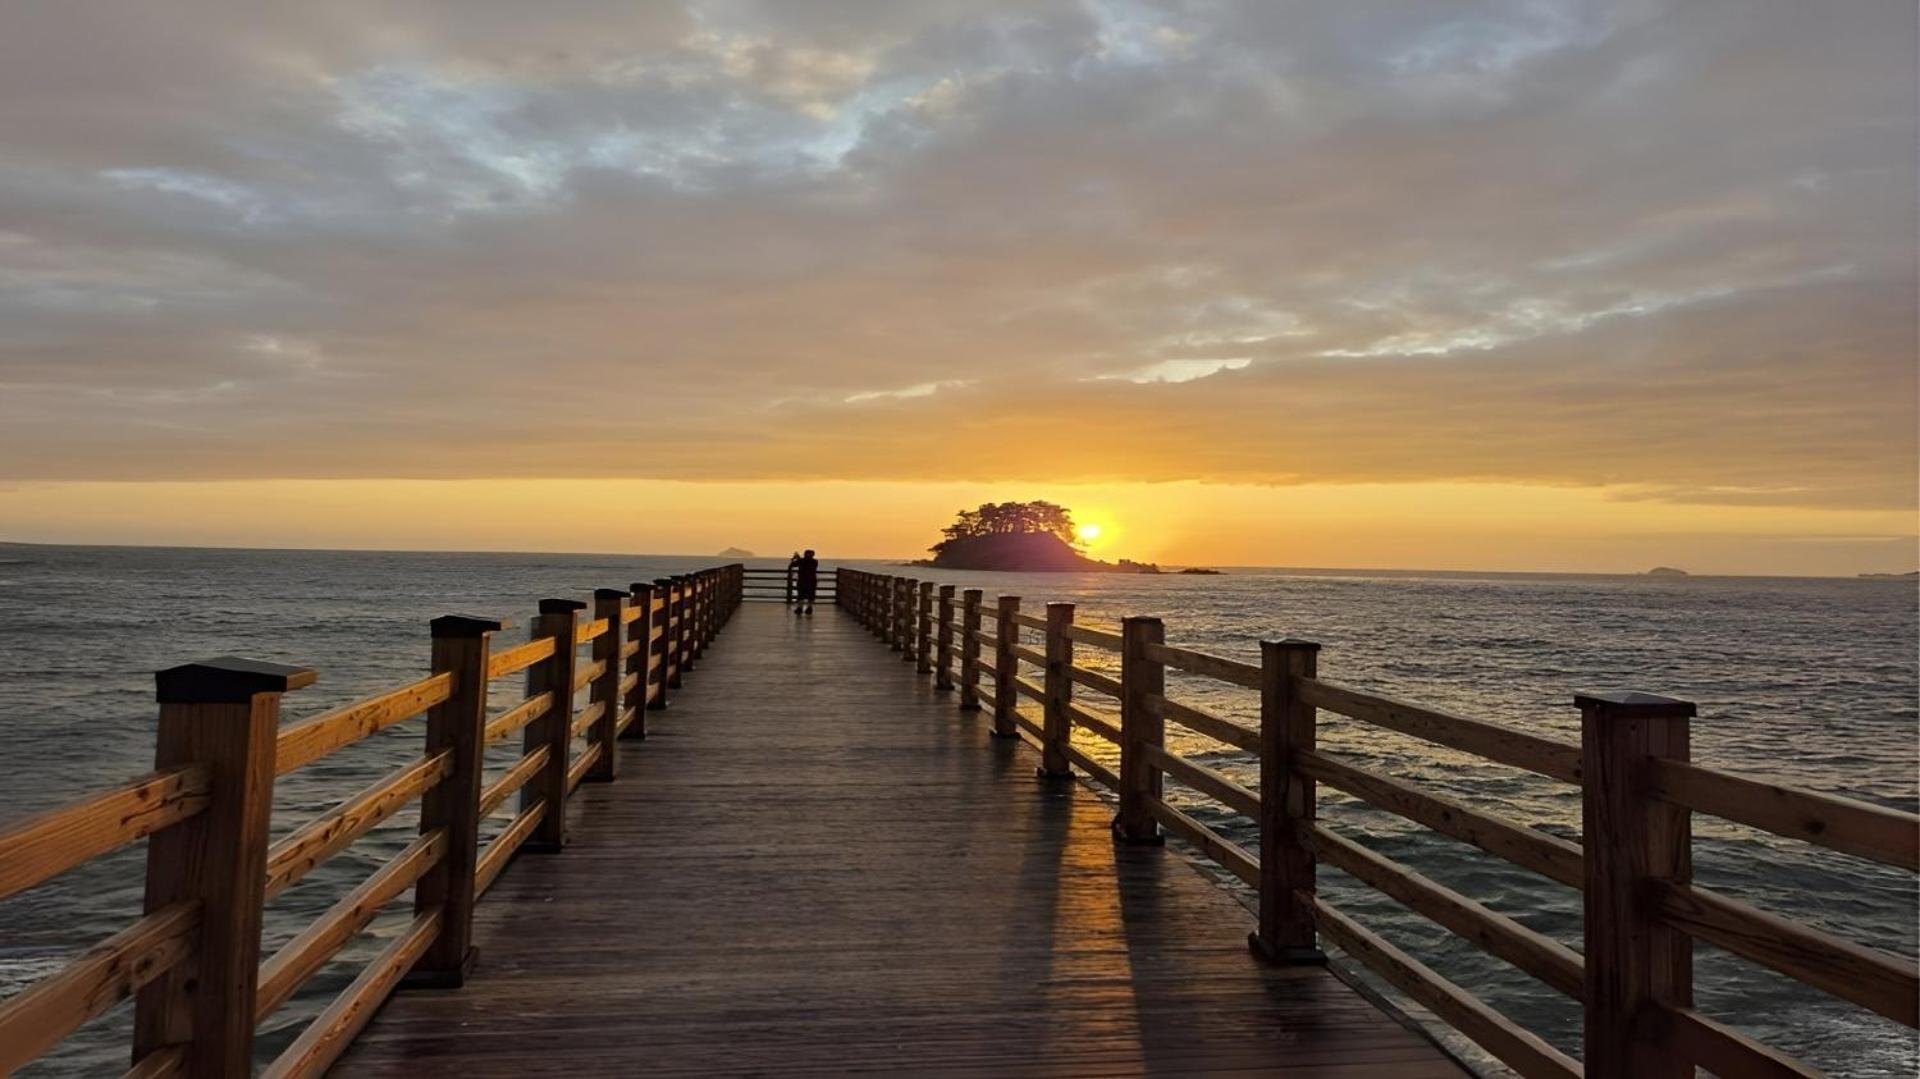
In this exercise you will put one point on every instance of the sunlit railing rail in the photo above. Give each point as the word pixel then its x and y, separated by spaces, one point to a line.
pixel 1633 976
pixel 193 960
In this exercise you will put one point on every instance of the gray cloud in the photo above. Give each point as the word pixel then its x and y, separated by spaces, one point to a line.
pixel 1668 247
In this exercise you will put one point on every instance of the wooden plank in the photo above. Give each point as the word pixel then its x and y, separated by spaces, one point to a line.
pixel 503 847
pixel 48 844
pixel 1875 980
pixel 1030 621
pixel 1094 680
pixel 305 742
pixel 519 657
pixel 768 943
pixel 1206 781
pixel 289 968
pixel 584 674
pixel 1828 820
pixel 1218 728
pixel 512 780
pixel 1534 953
pixel 1547 855
pixel 1105 726
pixel 578 770
pixel 506 723
pixel 1096 771
pixel 587 718
pixel 37 1018
pixel 1724 1051
pixel 1099 638
pixel 330 833
pixel 1223 851
pixel 587 631
pixel 1030 655
pixel 1506 745
pixel 1028 689
pixel 1512 1044
pixel 1233 671
pixel 327 1036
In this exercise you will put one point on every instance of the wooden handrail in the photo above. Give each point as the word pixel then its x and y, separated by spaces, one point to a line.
pixel 1245 675
pixel 519 658
pixel 102 976
pixel 47 845
pixel 333 831
pixel 1549 856
pixel 1546 756
pixel 1828 820
pixel 308 741
pixel 1636 793
pixel 193 959
pixel 298 959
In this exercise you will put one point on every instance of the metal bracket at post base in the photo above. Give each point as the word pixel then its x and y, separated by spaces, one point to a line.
pixel 1289 955
pixel 1042 772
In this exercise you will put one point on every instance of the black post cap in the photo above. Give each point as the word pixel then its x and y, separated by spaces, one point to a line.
pixel 562 606
pixel 228 680
pixel 609 593
pixel 642 586
pixel 466 625
pixel 1632 704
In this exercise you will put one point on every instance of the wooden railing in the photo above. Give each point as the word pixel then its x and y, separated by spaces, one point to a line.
pixel 1642 912
pixel 193 960
pixel 774 584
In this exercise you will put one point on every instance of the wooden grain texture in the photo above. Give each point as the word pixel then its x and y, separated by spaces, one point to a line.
pixel 816 865
pixel 46 845
pixel 1842 824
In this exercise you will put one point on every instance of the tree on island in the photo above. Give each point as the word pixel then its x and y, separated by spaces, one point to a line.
pixel 1009 518
pixel 1021 537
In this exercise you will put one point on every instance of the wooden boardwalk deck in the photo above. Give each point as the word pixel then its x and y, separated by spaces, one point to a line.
pixel 815 865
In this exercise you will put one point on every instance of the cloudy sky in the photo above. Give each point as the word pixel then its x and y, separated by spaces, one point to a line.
pixel 1515 285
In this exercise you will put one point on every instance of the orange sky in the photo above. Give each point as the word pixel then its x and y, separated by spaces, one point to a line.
pixel 1551 285
pixel 1434 526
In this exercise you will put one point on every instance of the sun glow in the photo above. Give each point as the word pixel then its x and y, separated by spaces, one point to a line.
pixel 1087 533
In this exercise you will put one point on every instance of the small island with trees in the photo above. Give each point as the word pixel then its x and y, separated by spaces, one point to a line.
pixel 1020 537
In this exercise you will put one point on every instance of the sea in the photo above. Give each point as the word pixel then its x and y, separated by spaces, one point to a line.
pixel 1809 682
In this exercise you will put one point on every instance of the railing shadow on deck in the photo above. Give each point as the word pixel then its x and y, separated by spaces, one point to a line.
pixel 1639 788
pixel 193 961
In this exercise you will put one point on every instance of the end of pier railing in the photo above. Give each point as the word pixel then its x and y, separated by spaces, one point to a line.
pixel 1638 789
pixel 193 961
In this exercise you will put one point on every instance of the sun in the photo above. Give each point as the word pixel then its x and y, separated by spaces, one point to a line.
pixel 1087 533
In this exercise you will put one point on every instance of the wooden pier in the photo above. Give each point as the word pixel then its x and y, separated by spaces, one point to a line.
pixel 786 851
pixel 812 866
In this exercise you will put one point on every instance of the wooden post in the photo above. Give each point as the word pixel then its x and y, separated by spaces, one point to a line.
pixel 657 653
pixel 701 584
pixel 909 588
pixel 1141 726
pixel 1287 728
pixel 224 713
pixel 708 580
pixel 554 727
pixel 1006 666
pixel 456 727
pixel 610 604
pixel 641 663
pixel 669 651
pixel 923 629
pixel 943 641
pixel 689 619
pixel 1057 722
pixel 1635 962
pixel 970 650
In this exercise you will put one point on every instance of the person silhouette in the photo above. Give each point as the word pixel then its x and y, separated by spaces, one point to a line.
pixel 807 578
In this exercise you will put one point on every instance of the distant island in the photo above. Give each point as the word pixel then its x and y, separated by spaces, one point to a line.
pixel 1665 571
pixel 1019 537
pixel 1895 576
pixel 736 552
pixel 1199 571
